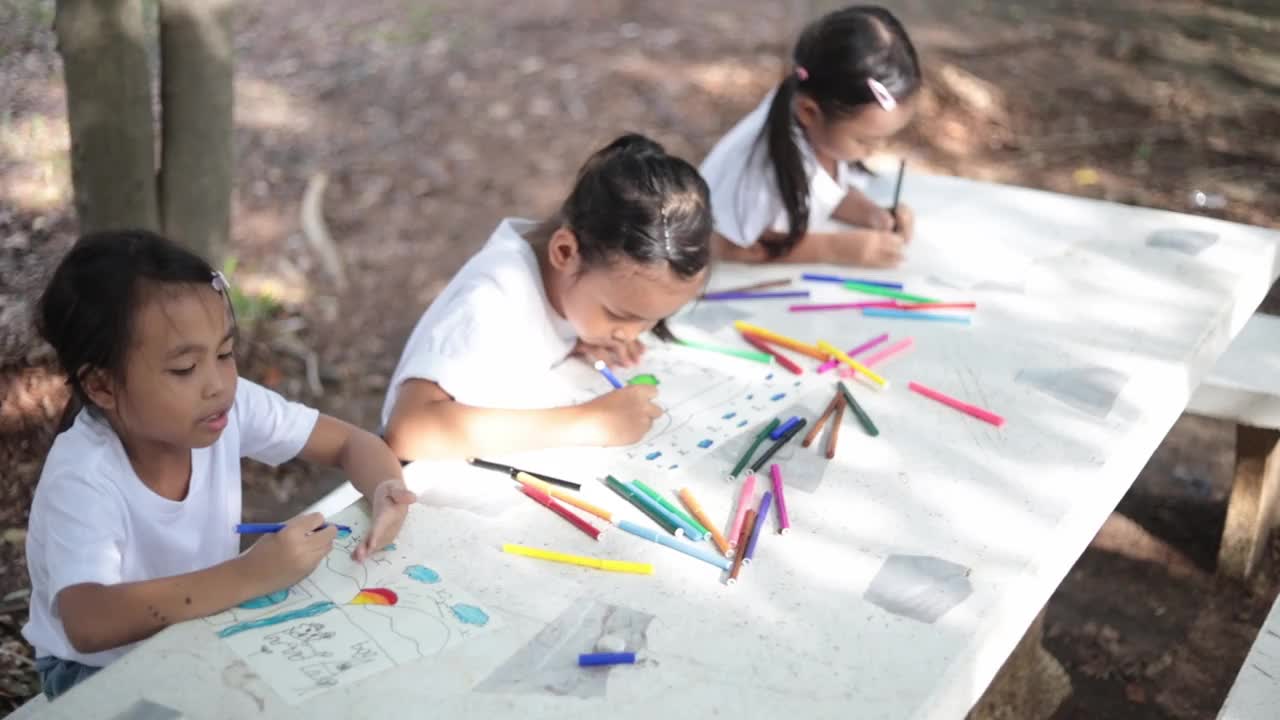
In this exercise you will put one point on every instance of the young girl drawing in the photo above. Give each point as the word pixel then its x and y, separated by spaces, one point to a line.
pixel 133 523
pixel 795 161
pixel 629 246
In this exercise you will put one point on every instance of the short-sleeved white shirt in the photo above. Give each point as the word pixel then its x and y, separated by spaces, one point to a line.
pixel 744 187
pixel 492 333
pixel 94 521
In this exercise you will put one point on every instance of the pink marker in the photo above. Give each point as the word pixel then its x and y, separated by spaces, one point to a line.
pixel 962 406
pixel 748 492
pixel 784 522
pixel 860 349
pixel 883 355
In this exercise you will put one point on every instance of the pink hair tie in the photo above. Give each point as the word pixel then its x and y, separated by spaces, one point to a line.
pixel 883 96
pixel 801 73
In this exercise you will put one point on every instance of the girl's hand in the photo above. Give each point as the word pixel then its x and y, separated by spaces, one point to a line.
pixel 856 209
pixel 391 501
pixel 621 417
pixel 619 354
pixel 867 248
pixel 906 223
pixel 282 559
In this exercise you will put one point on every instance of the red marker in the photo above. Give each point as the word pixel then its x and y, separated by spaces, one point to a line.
pixel 561 510
pixel 783 360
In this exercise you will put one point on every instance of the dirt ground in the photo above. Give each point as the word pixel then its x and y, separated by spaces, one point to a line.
pixel 433 119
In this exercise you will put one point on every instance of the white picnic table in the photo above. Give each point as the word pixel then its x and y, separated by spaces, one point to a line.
pixel 1095 321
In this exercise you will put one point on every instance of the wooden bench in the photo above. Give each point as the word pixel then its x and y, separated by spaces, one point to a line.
pixel 1244 387
pixel 1255 695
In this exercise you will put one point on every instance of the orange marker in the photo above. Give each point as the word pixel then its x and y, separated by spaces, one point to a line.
pixel 786 342
pixel 525 478
pixel 687 498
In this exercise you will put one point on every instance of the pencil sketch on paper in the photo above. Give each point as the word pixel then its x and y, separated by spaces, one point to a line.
pixel 348 620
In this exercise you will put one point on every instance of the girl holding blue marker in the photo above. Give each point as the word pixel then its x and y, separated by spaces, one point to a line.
pixel 629 247
pixel 133 525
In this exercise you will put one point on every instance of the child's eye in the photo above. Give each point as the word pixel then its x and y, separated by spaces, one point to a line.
pixel 226 355
pixel 182 372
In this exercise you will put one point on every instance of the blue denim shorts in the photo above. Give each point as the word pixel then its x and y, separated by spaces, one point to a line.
pixel 58 676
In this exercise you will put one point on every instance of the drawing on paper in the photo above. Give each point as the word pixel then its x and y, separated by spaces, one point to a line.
pixel 348 621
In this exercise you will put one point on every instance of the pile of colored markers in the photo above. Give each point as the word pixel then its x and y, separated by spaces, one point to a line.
pixel 893 302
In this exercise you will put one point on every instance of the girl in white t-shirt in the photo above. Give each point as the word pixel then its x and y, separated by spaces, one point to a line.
pixel 795 162
pixel 629 247
pixel 132 528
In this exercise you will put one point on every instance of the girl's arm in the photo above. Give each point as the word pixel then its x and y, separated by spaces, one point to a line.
pixel 99 617
pixel 869 248
pixel 427 423
pixel 373 470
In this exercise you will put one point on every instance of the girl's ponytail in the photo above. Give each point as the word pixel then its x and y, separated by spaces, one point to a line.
pixel 788 167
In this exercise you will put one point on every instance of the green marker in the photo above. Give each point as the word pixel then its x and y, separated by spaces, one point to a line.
pixel 755 444
pixel 863 417
pixel 629 494
pixel 760 357
pixel 646 379
pixel 886 292
pixel 670 507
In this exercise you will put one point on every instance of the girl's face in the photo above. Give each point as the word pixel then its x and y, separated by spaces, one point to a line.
pixel 180 373
pixel 849 138
pixel 614 303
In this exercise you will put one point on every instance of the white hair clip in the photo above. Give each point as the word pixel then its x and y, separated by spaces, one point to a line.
pixel 883 96
pixel 220 283
pixel 666 235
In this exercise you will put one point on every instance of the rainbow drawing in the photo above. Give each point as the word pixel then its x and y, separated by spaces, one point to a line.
pixel 374 596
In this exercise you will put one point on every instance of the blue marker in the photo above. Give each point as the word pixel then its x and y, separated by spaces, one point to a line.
pixel 913 315
pixel 762 518
pixel 608 375
pixel 596 659
pixel 784 427
pixel 262 528
pixel 702 552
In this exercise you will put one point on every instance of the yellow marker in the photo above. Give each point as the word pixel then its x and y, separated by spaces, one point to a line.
pixel 566 496
pixel 690 502
pixel 838 354
pixel 782 340
pixel 597 563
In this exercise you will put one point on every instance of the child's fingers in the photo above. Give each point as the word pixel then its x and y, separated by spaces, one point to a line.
pixel 402 496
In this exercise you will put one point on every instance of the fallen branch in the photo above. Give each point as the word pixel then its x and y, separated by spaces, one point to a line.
pixel 317 233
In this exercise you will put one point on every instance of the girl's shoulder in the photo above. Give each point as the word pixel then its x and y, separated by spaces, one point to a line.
pixel 87 455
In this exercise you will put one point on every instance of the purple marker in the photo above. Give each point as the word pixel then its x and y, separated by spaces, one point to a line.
pixel 855 352
pixel 837 279
pixel 761 518
pixel 756 295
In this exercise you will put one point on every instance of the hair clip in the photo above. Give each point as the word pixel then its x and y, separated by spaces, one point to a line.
pixel 666 235
pixel 220 283
pixel 801 73
pixel 882 94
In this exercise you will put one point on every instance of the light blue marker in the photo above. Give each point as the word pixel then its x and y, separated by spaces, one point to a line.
pixel 702 552
pixel 913 315
pixel 655 507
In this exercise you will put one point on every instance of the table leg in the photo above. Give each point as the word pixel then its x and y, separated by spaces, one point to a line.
pixel 1031 684
pixel 1251 508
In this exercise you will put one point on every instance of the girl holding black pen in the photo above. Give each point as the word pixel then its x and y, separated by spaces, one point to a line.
pixel 796 160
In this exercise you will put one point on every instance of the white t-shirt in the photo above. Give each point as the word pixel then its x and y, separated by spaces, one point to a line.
pixel 744 186
pixel 94 521
pixel 492 335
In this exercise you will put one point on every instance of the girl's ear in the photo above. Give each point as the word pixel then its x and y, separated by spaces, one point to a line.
pixel 99 387
pixel 807 112
pixel 562 251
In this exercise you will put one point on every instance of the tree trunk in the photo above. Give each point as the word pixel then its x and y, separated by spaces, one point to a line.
pixel 196 101
pixel 109 109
